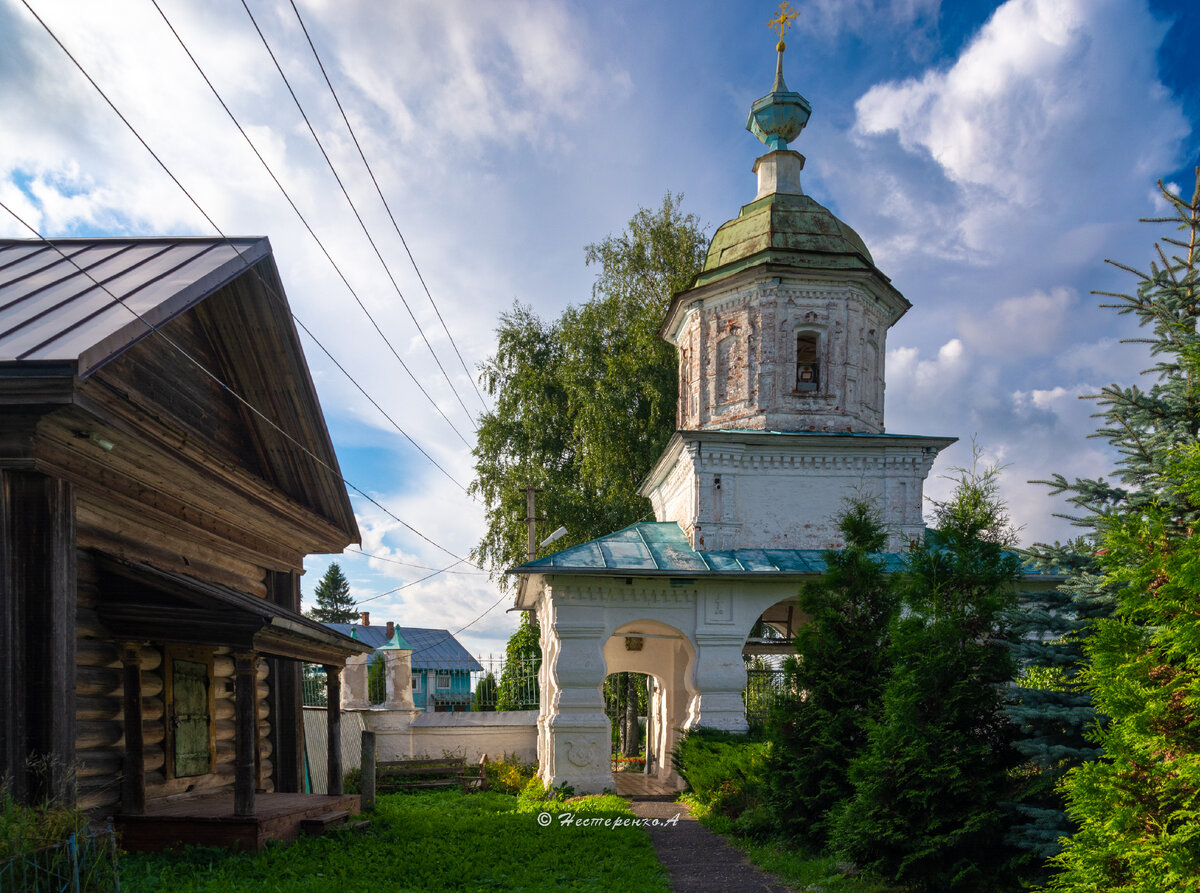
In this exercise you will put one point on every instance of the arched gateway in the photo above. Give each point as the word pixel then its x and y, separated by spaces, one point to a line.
pixel 781 342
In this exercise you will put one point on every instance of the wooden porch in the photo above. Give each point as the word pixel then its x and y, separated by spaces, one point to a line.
pixel 209 820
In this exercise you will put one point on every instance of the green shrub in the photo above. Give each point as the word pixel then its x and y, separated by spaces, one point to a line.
pixel 725 772
pixel 508 775
pixel 24 828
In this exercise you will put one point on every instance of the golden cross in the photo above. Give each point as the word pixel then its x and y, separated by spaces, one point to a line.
pixel 783 21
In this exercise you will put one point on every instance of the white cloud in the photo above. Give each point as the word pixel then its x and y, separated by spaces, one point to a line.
pixel 1055 107
pixel 1018 327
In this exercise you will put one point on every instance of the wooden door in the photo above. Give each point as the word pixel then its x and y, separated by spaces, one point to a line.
pixel 190 716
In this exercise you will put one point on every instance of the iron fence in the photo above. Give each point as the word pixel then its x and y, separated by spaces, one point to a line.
pixel 505 684
pixel 84 863
pixel 763 687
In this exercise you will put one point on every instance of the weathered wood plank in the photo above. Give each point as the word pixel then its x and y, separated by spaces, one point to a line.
pixel 37 635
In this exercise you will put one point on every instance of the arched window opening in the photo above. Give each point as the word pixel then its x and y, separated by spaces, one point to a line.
pixel 808 363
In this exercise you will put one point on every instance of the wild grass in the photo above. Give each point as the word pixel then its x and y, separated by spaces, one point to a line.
pixel 431 841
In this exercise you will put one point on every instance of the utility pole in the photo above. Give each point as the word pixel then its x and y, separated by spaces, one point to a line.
pixel 531 519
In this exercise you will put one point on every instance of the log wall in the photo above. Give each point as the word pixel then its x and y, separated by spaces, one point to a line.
pixel 100 738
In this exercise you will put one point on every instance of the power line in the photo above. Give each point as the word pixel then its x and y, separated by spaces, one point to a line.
pixel 229 390
pixel 409 564
pixel 387 207
pixel 298 213
pixel 333 170
pixel 270 290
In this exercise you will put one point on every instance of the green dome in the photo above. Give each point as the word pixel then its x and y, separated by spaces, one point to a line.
pixel 786 229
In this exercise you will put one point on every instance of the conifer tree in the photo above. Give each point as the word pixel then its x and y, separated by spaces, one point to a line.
pixel 334 604
pixel 1137 804
pixel 1050 707
pixel 834 685
pixel 929 783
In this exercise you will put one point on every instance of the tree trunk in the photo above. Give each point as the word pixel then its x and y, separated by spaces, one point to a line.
pixel 630 739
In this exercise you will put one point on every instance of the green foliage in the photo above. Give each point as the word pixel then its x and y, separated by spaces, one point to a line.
pixel 508 775
pixel 1049 705
pixel 584 405
pixel 334 604
pixel 1136 805
pixel 834 688
pixel 726 772
pixel 24 828
pixel 430 841
pixel 485 693
pixel 376 683
pixel 934 770
pixel 522 658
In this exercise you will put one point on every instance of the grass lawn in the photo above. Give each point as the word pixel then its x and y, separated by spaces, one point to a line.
pixel 431 841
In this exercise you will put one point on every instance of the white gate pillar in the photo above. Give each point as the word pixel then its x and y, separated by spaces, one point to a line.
pixel 718 680
pixel 574 736
pixel 354 683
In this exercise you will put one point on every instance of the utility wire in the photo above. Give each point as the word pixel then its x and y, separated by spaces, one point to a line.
pixel 354 209
pixel 270 289
pixel 387 207
pixel 229 390
pixel 217 380
pixel 421 567
pixel 299 214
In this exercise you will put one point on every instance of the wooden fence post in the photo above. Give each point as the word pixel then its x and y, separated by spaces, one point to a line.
pixel 368 770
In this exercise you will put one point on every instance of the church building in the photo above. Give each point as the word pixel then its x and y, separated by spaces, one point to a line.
pixel 781 343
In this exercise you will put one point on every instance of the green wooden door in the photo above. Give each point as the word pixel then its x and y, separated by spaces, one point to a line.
pixel 190 693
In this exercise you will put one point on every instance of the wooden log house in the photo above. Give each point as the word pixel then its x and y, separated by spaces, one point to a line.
pixel 164 469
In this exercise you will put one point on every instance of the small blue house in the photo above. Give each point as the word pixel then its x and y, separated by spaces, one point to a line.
pixel 441 666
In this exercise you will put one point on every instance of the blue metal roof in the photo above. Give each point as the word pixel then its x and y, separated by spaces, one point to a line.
pixel 662 548
pixel 432 649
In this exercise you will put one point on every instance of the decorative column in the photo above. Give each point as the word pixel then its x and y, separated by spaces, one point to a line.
pixel 718 678
pixel 133 785
pixel 397 674
pixel 577 748
pixel 245 737
pixel 333 736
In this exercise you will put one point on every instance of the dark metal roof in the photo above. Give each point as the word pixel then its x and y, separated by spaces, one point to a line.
pixel 432 649
pixel 80 300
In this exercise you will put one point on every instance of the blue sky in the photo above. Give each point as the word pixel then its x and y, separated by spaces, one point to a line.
pixel 991 156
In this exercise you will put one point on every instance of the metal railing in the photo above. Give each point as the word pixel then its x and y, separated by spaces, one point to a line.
pixel 763 687
pixel 84 863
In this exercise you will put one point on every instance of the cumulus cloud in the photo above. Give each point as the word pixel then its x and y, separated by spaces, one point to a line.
pixel 1024 326
pixel 1034 121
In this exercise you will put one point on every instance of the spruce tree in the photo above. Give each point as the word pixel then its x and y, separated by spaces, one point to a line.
pixel 818 726
pixel 929 783
pixel 334 604
pixel 1050 707
pixel 1137 805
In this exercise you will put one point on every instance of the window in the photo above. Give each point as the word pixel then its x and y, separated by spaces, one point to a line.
pixel 417 677
pixel 443 681
pixel 808 362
